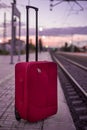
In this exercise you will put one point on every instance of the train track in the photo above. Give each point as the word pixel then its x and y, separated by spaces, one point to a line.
pixel 73 78
pixel 82 60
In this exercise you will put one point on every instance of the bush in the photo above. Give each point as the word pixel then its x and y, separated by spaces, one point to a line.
pixel 4 52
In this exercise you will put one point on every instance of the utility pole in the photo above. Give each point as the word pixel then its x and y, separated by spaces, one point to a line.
pixel 4 31
pixel 12 32
pixel 14 1
pixel 15 14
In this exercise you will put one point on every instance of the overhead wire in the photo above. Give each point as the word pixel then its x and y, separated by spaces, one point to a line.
pixel 60 1
pixel 72 11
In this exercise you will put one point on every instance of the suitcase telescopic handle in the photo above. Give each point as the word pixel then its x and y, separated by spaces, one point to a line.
pixel 27 33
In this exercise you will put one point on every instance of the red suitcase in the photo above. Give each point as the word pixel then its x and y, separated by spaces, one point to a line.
pixel 35 90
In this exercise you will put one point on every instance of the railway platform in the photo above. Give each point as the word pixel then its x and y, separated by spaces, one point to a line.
pixel 60 121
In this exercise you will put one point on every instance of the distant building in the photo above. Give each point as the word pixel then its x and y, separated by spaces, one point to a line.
pixel 19 44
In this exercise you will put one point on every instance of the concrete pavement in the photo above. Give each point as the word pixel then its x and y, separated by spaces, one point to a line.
pixel 61 121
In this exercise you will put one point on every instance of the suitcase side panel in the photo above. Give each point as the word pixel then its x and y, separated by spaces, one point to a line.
pixel 20 88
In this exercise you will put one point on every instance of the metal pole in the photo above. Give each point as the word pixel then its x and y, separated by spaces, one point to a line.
pixel 27 35
pixel 36 35
pixel 4 33
pixel 12 31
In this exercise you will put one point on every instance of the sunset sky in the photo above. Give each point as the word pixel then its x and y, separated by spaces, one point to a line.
pixel 66 14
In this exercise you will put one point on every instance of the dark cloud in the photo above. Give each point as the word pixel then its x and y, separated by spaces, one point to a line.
pixel 48 32
pixel 64 31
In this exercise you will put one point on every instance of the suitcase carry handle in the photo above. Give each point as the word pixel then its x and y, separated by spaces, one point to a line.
pixel 27 33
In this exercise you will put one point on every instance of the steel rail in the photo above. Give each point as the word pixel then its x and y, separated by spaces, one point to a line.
pixel 69 75
pixel 75 63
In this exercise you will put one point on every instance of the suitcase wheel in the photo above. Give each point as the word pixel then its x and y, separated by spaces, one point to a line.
pixel 17 116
